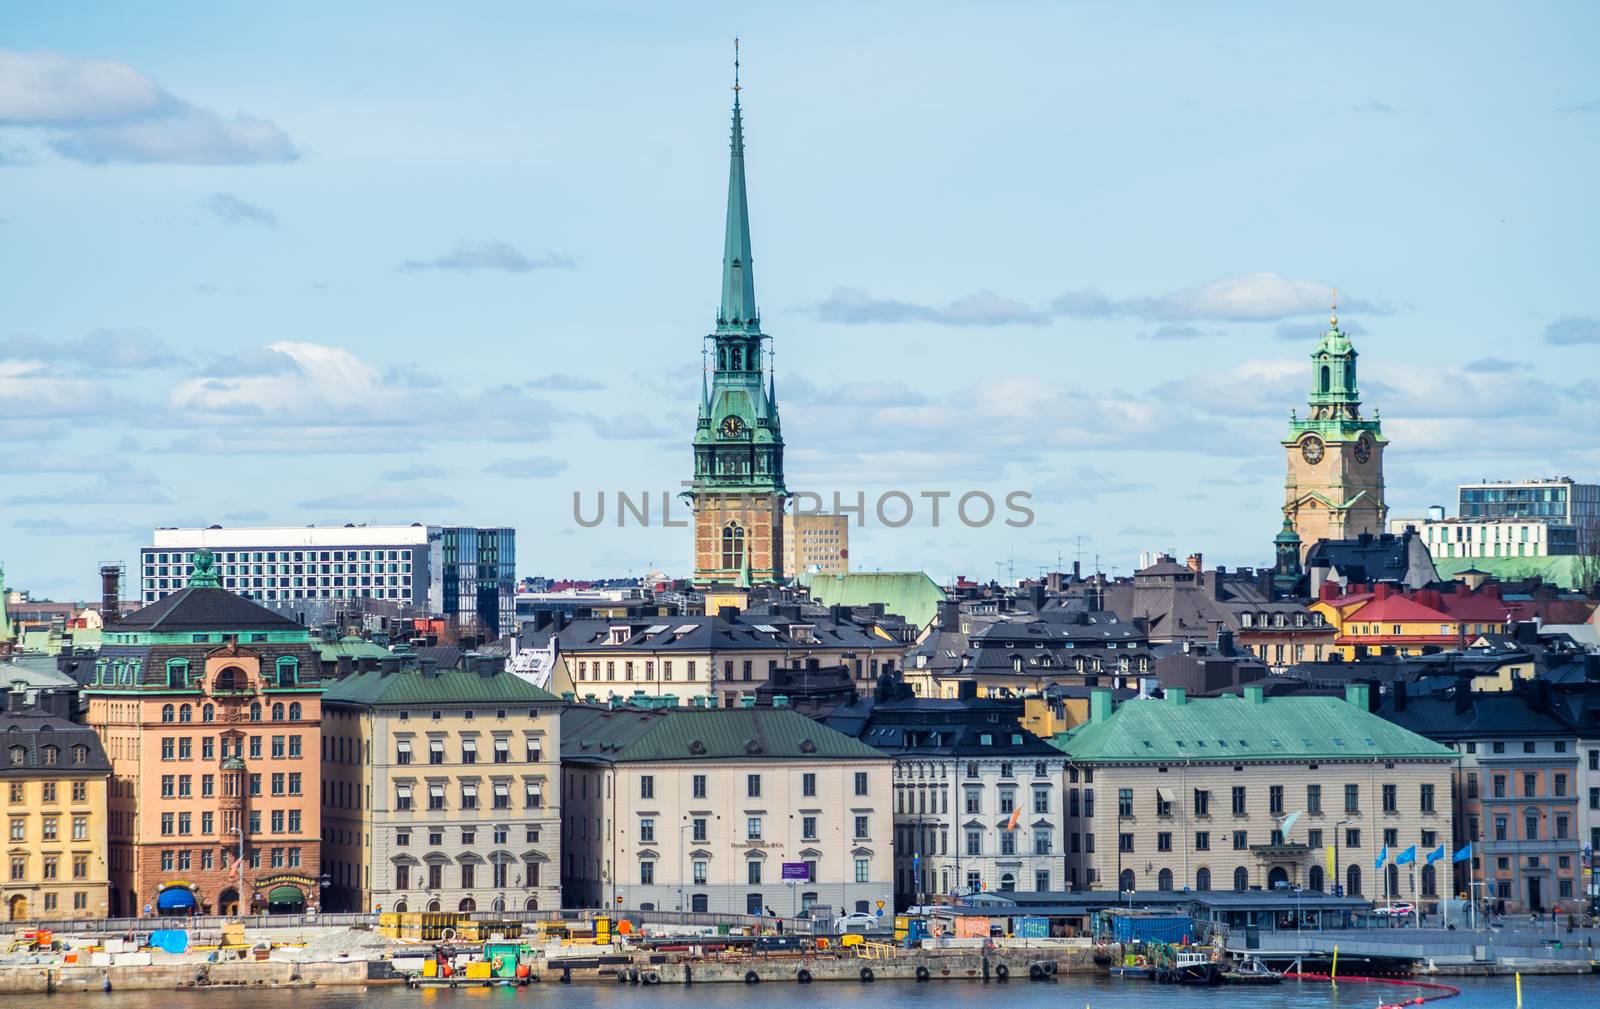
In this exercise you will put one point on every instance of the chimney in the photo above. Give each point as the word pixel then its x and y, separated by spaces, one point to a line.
pixel 967 690
pixel 1255 695
pixel 728 613
pixel 1591 668
pixel 1195 563
pixel 345 665
pixel 1383 590
pixel 1399 689
pixel 1177 696
pixel 110 593
pixel 430 666
pixel 541 620
pixel 780 700
pixel 1356 694
pixel 488 666
pixel 1463 694
pixel 558 620
pixel 1225 643
pixel 1036 597
pixel 1101 705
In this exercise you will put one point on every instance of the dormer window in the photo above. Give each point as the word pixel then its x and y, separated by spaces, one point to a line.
pixel 619 635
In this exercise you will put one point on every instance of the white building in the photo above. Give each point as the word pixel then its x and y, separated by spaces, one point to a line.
pixel 451 571
pixel 722 810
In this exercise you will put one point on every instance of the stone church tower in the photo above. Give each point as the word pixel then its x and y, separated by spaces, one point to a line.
pixel 1334 488
pixel 738 491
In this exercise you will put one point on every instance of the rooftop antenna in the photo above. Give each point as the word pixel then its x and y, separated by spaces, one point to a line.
pixel 736 68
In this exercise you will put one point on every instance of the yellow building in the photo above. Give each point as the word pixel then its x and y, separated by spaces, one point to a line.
pixel 55 774
pixel 816 543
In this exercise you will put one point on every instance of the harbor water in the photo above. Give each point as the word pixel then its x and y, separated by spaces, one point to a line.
pixel 1569 992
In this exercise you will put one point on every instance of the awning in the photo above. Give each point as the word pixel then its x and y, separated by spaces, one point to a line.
pixel 285 895
pixel 1165 794
pixel 176 898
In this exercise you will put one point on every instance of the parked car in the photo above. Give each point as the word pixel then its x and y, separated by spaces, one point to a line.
pixel 1400 910
pixel 857 921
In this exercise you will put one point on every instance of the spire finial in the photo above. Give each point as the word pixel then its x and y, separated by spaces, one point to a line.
pixel 736 69
pixel 1333 308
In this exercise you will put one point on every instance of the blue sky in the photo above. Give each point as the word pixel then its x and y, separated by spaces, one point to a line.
pixel 392 262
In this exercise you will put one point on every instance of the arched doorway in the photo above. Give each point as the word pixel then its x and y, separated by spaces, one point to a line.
pixel 1314 878
pixel 17 907
pixel 467 904
pixel 400 906
pixel 286 899
pixel 1125 881
pixel 1164 880
pixel 531 904
pixel 1277 878
pixel 499 905
pixel 176 900
pixel 1241 879
pixel 433 905
pixel 1202 879
pixel 699 903
pixel 228 902
pixel 1393 881
pixel 1352 885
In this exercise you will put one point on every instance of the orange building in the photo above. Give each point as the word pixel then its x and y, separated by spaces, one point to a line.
pixel 209 707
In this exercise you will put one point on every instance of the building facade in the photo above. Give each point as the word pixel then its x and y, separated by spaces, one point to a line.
pixel 816 543
pixel 1559 500
pixel 441 791
pixel 725 658
pixel 461 572
pixel 738 490
pixel 1334 488
pixel 1255 793
pixel 209 709
pixel 54 772
pixel 977 798
pixel 733 811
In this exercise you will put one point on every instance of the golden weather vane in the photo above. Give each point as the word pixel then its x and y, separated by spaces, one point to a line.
pixel 1333 308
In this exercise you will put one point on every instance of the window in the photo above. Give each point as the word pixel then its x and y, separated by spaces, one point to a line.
pixel 1313 799
pixel 502 750
pixel 1124 802
pixel 753 873
pixel 861 828
pixel 1238 800
pixel 1275 800
pixel 861 783
pixel 1124 842
pixel 1241 840
pixel 1202 802
pixel 808 828
pixel 863 870
pixel 469 751
pixel 732 547
pixel 647 873
pixel 1352 798
pixel 752 786
pixel 435 751
pixel 1390 798
pixel 1202 840
pixel 1164 841
pixel 752 828
pixel 647 829
pixel 469 795
pixel 647 786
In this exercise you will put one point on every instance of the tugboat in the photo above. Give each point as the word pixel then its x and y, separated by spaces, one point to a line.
pixel 1192 967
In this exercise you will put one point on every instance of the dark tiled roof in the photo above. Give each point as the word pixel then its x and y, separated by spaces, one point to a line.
pixel 949 728
pixel 743 735
pixel 1488 715
pixel 33 732
pixel 193 609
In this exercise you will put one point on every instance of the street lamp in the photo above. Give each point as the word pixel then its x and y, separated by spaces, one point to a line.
pixel 1338 878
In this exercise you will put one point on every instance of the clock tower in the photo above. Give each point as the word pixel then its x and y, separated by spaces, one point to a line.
pixel 738 491
pixel 1334 488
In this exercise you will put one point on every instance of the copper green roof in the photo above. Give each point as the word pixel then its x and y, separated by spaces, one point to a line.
pixel 351 646
pixel 446 686
pixel 742 735
pixel 1563 571
pixel 908 594
pixel 1233 730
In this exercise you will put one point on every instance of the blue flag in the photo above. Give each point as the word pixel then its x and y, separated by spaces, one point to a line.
pixel 1383 856
pixel 1435 854
pixel 1462 853
pixel 1406 857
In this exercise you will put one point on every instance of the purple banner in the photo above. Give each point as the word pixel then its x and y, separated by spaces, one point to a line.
pixel 795 871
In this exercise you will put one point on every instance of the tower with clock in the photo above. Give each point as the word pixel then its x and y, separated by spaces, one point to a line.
pixel 1334 488
pixel 738 491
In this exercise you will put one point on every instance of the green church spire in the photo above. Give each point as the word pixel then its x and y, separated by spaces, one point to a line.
pixel 738 312
pixel 5 619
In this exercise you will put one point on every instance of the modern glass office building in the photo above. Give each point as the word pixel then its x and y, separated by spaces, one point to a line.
pixel 1558 500
pixel 461 572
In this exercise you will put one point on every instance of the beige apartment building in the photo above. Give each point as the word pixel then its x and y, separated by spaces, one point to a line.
pixel 1255 793
pixel 442 790
pixel 725 657
pixel 731 811
pixel 816 543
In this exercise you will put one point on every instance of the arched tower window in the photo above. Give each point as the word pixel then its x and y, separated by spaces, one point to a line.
pixel 1349 374
pixel 732 547
pixel 1241 879
pixel 1327 378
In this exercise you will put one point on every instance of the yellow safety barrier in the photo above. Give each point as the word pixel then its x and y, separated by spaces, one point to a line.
pixel 876 951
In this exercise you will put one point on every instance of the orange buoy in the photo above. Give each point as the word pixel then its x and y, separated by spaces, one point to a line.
pixel 523 970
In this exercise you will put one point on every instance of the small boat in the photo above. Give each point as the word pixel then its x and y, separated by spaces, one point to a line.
pixel 1250 970
pixel 1192 967
pixel 1139 972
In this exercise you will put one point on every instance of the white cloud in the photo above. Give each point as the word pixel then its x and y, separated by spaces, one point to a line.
pixel 1568 331
pixel 101 351
pixel 1252 297
pixel 229 209
pixel 104 111
pixel 471 256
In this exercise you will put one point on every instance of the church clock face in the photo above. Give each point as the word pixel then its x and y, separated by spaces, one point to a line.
pixel 732 427
pixel 1364 449
pixel 1311 450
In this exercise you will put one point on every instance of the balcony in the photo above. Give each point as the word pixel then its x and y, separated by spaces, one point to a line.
pixel 1280 852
